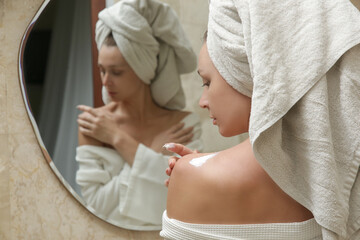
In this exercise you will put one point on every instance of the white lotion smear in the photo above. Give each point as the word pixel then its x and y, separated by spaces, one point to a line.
pixel 197 162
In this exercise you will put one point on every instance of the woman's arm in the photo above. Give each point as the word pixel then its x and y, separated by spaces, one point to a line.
pixel 101 124
pixel 85 140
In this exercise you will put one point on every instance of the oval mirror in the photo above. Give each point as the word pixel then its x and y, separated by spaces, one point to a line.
pixel 56 73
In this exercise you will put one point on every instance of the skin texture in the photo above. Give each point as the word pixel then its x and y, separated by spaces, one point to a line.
pixel 132 117
pixel 231 187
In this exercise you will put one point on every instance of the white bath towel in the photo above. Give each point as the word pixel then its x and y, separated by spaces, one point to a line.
pixel 152 41
pixel 303 75
pixel 173 229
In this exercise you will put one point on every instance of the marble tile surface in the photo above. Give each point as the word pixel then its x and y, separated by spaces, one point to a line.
pixel 4 188
pixel 3 99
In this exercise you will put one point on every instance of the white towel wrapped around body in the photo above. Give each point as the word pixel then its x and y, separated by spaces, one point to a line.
pixel 173 229
pixel 299 62
pixel 152 41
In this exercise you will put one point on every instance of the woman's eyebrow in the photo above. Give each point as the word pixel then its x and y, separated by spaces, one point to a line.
pixel 114 65
pixel 117 66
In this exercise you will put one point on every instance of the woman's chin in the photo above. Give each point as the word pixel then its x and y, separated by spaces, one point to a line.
pixel 226 132
pixel 115 100
pixel 223 132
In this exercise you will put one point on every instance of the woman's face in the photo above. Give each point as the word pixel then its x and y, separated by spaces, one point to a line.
pixel 117 76
pixel 229 109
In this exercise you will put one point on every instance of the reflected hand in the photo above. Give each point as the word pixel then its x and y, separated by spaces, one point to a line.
pixel 176 134
pixel 178 149
pixel 99 123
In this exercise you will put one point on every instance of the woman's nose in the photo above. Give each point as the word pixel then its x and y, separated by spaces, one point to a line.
pixel 105 79
pixel 203 102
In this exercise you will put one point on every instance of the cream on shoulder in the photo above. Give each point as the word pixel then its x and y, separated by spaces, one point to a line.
pixel 199 161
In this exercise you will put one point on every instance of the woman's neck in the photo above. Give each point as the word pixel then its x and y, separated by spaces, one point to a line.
pixel 141 107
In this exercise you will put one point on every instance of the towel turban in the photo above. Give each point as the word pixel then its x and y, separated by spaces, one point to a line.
pixel 152 41
pixel 299 62
pixel 226 46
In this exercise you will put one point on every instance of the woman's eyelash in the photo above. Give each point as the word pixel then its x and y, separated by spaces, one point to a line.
pixel 206 84
pixel 117 73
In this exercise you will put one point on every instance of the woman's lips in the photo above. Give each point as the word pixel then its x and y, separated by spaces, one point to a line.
pixel 111 94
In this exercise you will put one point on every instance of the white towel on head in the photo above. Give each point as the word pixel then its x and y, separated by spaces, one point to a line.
pixel 225 35
pixel 152 41
pixel 305 120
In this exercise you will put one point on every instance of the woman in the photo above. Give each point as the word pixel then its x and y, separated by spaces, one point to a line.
pixel 277 80
pixel 230 187
pixel 120 154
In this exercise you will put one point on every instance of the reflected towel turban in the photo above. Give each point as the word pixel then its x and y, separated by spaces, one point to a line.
pixel 153 42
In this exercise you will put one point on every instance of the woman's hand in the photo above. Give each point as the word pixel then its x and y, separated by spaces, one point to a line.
pixel 85 140
pixel 178 149
pixel 99 123
pixel 176 134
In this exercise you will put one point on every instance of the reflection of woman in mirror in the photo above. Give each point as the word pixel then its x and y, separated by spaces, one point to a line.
pixel 297 176
pixel 142 52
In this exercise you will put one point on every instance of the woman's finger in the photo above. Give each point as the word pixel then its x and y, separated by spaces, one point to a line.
pixel 87 109
pixel 183 132
pixel 167 182
pixel 178 148
pixel 172 160
pixel 85 131
pixel 176 127
pixel 111 106
pixel 84 124
pixel 185 139
pixel 168 171
pixel 85 116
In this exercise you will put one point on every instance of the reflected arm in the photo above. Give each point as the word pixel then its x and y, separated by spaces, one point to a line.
pixel 85 140
pixel 98 127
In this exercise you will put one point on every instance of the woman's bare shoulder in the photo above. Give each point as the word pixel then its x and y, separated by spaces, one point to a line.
pixel 235 167
pixel 209 188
